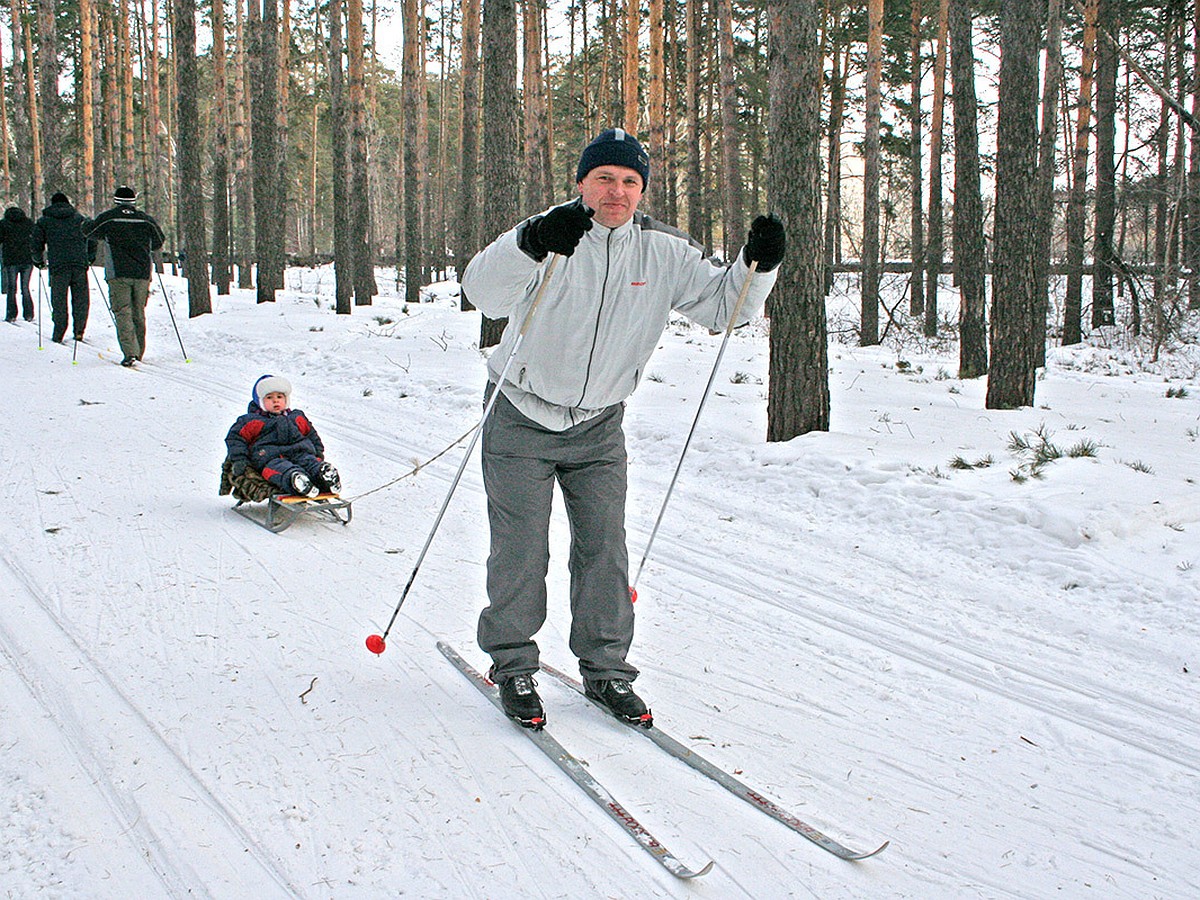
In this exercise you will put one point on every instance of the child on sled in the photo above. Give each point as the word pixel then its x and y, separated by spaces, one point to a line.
pixel 279 443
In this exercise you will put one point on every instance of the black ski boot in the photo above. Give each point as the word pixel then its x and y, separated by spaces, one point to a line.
pixel 521 701
pixel 617 696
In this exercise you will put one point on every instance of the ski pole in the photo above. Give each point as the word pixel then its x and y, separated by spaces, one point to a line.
pixel 167 299
pixel 376 643
pixel 737 308
pixel 104 296
pixel 39 268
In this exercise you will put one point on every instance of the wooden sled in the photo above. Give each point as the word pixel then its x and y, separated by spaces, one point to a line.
pixel 284 509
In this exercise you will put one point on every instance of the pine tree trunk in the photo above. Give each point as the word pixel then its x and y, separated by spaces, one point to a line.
pixel 1106 170
pixel 1077 201
pixel 242 149
pixel 191 166
pixel 833 144
pixel 970 252
pixel 501 116
pixel 731 177
pixel 935 252
pixel 629 81
pixel 128 169
pixel 87 92
pixel 343 258
pixel 19 130
pixel 268 230
pixel 869 327
pixel 468 226
pixel 110 117
pixel 360 208
pixel 798 401
pixel 1047 144
pixel 287 210
pixel 1011 376
pixel 540 193
pixel 413 81
pixel 314 141
pixel 1162 200
pixel 52 168
pixel 1192 242
pixel 160 161
pixel 695 175
pixel 657 195
pixel 163 178
pixel 916 280
pixel 35 132
pixel 222 264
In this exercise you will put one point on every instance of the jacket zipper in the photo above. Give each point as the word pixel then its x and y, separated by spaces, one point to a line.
pixel 587 376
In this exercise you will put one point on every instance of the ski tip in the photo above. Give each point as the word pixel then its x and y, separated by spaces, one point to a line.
pixel 699 873
pixel 858 856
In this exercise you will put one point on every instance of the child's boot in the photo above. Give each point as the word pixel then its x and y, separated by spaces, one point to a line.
pixel 328 475
pixel 302 486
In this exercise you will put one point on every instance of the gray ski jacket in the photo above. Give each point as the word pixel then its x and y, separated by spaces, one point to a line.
pixel 603 312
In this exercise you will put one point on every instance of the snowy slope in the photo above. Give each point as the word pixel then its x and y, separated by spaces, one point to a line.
pixel 999 676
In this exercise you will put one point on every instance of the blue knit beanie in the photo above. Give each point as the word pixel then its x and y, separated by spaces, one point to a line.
pixel 614 147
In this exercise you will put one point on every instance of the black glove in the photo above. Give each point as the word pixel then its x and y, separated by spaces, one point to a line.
pixel 766 242
pixel 38 263
pixel 238 468
pixel 558 231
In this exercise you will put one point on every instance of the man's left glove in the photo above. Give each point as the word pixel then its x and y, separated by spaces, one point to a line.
pixel 766 242
pixel 238 468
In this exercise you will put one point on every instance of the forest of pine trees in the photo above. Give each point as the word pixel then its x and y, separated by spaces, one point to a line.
pixel 989 145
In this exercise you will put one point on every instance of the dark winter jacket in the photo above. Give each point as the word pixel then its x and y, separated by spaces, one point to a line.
pixel 259 437
pixel 58 235
pixel 132 236
pixel 15 229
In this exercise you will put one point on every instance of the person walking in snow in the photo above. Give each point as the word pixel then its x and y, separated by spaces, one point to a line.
pixel 58 242
pixel 15 231
pixel 559 415
pixel 132 236
pixel 280 443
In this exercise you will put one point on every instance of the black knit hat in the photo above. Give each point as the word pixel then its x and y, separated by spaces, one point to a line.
pixel 125 194
pixel 614 147
pixel 59 197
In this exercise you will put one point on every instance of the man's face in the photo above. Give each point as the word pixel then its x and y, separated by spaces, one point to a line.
pixel 613 192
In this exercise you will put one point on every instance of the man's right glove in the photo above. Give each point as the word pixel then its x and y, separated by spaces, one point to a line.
pixel 238 468
pixel 558 231
pixel 766 242
pixel 37 262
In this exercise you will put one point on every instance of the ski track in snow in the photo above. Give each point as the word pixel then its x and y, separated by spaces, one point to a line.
pixel 106 733
pixel 974 713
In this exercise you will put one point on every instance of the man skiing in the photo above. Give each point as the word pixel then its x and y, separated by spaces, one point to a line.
pixel 558 419
pixel 133 236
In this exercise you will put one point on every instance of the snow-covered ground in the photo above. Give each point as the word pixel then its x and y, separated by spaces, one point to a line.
pixel 998 674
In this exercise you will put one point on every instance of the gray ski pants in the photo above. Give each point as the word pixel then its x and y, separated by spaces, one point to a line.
pixel 521 463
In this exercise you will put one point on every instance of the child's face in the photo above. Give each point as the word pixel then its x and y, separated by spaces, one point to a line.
pixel 274 402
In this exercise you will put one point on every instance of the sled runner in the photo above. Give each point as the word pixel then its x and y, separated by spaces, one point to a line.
pixel 284 509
